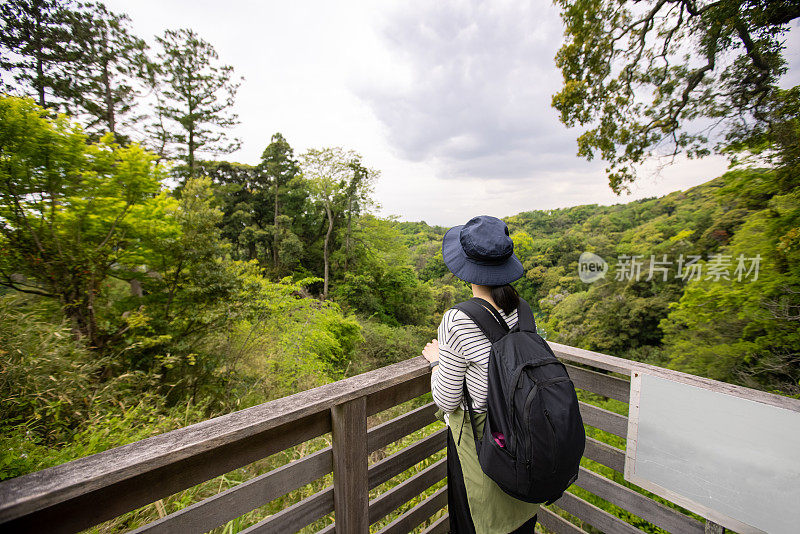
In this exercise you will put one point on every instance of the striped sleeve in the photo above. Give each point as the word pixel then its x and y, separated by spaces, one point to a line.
pixel 447 381
pixel 463 356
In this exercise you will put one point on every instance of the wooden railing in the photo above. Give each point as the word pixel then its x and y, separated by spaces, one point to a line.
pixel 91 490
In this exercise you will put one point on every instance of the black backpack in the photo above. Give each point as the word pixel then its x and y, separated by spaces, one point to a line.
pixel 533 438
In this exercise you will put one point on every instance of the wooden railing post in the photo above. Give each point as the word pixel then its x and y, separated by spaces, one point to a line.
pixel 350 479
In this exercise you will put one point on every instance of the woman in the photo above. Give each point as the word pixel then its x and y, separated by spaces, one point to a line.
pixel 481 253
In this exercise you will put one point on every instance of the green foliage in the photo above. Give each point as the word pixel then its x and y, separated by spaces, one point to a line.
pixel 384 345
pixel 639 75
pixel 755 333
pixel 280 167
pixel 243 195
pixel 57 404
pixel 738 331
pixel 381 282
pixel 74 213
pixel 23 451
pixel 46 375
pixel 341 185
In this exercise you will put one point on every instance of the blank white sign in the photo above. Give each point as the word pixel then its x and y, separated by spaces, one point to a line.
pixel 733 460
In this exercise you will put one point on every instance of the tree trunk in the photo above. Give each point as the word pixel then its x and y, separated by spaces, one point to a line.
pixel 349 231
pixel 327 240
pixel 136 288
pixel 91 318
pixel 110 119
pixel 191 152
pixel 275 226
pixel 173 289
pixel 78 305
pixel 39 64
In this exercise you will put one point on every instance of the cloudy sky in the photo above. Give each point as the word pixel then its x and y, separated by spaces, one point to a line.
pixel 449 100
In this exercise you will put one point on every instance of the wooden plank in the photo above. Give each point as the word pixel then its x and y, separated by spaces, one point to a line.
pixel 230 504
pixel 82 510
pixel 90 490
pixel 593 359
pixel 605 385
pixel 297 516
pixel 605 454
pixel 440 526
pixel 556 523
pixel 628 367
pixel 412 518
pixel 640 505
pixel 407 490
pixel 218 510
pixel 595 516
pixel 351 496
pixel 395 464
pixel 392 395
pixel 604 420
pixel 399 427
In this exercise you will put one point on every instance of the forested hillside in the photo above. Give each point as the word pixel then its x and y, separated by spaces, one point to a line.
pixel 705 281
pixel 722 300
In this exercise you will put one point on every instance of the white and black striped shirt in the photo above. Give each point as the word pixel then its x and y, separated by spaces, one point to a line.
pixel 463 351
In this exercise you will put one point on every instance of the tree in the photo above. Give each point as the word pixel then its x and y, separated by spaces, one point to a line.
pixel 357 196
pixel 196 93
pixel 35 46
pixel 73 214
pixel 658 77
pixel 111 64
pixel 241 199
pixel 381 281
pixel 328 171
pixel 280 167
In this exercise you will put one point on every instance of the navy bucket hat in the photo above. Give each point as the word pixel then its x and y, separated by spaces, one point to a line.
pixel 481 252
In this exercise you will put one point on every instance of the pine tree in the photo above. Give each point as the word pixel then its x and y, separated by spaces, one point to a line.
pixel 35 48
pixel 279 164
pixel 111 66
pixel 197 94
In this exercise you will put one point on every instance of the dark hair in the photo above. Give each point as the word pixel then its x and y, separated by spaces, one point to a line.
pixel 506 297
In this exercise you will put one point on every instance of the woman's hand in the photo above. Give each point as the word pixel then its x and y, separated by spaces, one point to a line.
pixel 431 351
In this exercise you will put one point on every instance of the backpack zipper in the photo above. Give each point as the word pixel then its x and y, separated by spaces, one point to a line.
pixel 528 444
pixel 553 446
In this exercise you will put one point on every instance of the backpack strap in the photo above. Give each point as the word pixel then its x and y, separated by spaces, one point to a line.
pixel 485 316
pixel 482 313
pixel 494 327
pixel 525 320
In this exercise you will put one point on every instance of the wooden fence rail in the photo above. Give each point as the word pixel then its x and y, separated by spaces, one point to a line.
pixel 91 490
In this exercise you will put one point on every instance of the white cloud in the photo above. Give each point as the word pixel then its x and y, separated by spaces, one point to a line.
pixel 476 88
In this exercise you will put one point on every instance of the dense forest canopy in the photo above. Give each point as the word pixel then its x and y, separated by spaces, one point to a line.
pixel 147 283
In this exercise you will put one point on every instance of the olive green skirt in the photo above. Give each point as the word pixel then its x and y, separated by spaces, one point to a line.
pixel 493 510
